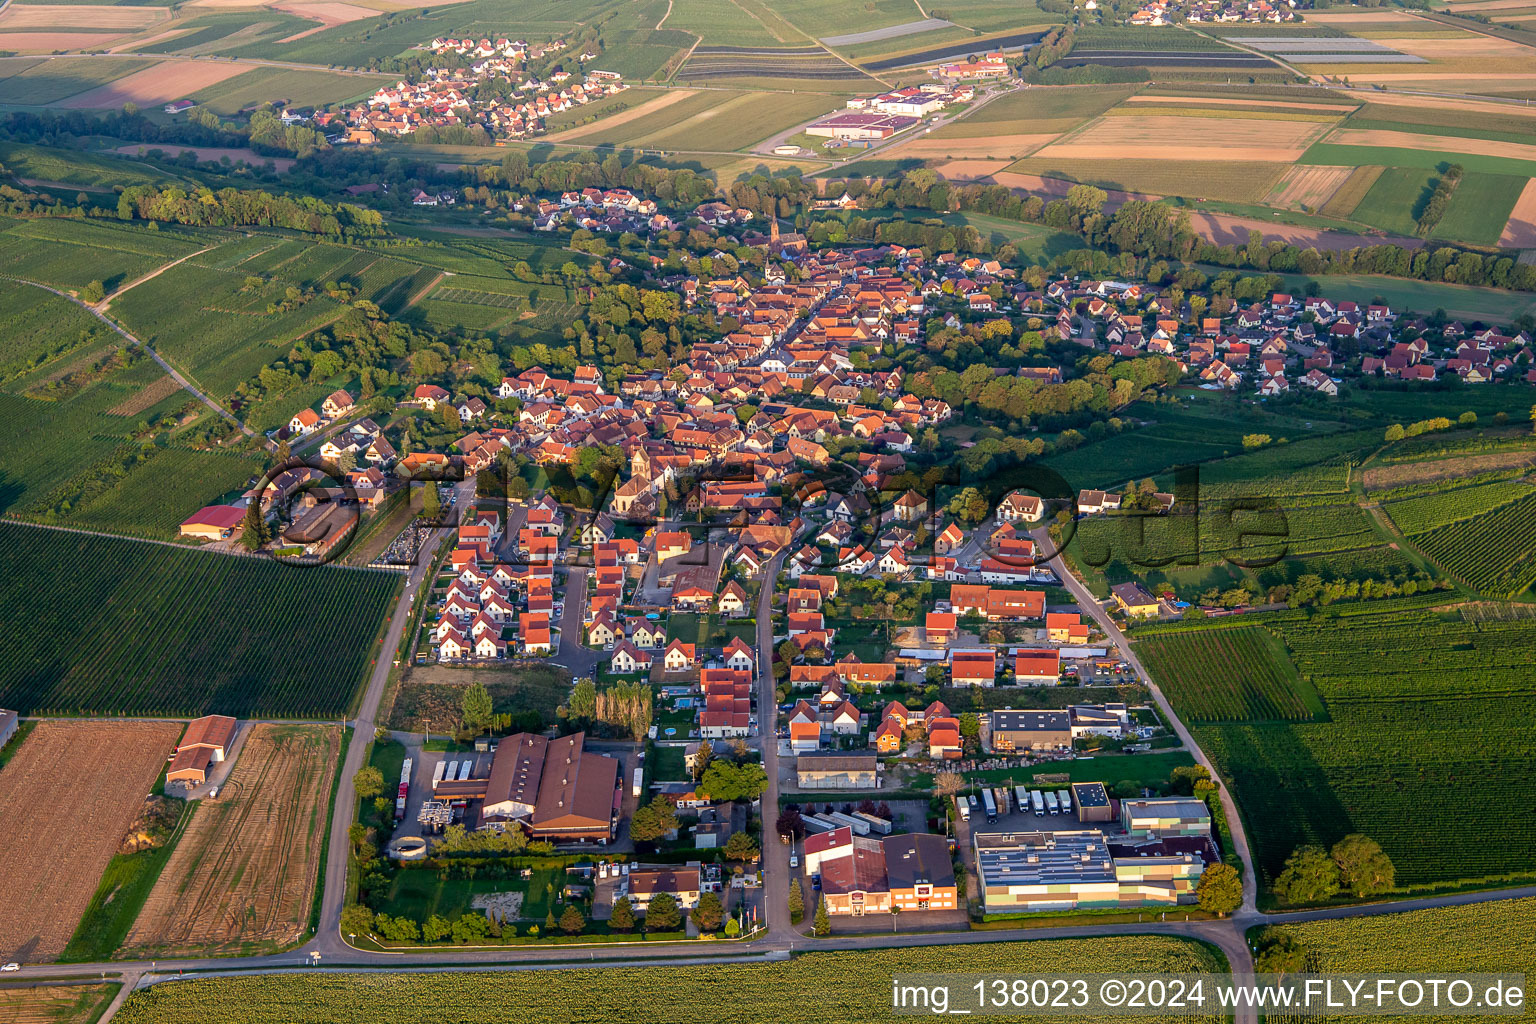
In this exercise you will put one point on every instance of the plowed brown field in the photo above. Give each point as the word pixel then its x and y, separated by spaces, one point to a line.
pixel 66 800
pixel 242 878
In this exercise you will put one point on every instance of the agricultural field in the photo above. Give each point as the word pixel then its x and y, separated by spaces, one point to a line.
pixel 1435 510
pixel 56 1004
pixel 53 860
pixel 282 85
pixel 1177 137
pixel 87 170
pixel 135 639
pixel 38 326
pixel 1494 553
pixel 1430 745
pixel 712 120
pixel 1240 674
pixel 1472 939
pixel 773 67
pixel 49 81
pixel 242 876
pixel 1232 180
pixel 1044 110
pixel 69 254
pixel 648 995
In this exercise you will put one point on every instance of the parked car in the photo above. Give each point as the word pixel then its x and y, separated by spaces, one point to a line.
pixel 11 967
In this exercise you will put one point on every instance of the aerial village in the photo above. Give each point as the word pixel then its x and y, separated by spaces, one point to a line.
pixel 453 97
pixel 768 567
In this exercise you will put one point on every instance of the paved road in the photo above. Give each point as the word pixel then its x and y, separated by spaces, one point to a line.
pixel 1095 609
pixel 132 340
pixel 776 871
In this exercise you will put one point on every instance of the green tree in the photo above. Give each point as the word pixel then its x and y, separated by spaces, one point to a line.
pixel 725 781
pixel 653 821
pixel 356 919
pixel 1221 890
pixel 796 902
pixel 1396 432
pixel 1279 953
pixel 741 846
pixel 822 924
pixel 662 914
pixel 571 921
pixel 1310 876
pixel 368 782
pixel 623 917
pixel 254 531
pixel 701 758
pixel 1364 868
pixel 708 913
pixel 437 928
pixel 93 292
pixel 475 707
pixel 471 928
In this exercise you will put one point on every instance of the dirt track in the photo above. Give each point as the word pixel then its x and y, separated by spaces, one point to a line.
pixel 243 873
pixel 67 799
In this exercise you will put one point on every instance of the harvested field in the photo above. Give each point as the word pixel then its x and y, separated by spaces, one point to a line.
pixel 1385 478
pixel 1235 180
pixel 147 397
pixel 63 815
pixel 1163 137
pixel 82 16
pixel 242 876
pixel 158 37
pixel 162 83
pixel 997 147
pixel 1433 143
pixel 1228 101
pixel 48 42
pixel 1474 106
pixel 328 14
pixel 645 109
pixel 55 1004
pixel 1057 188
pixel 1520 232
pixel 1348 195
pixel 1310 186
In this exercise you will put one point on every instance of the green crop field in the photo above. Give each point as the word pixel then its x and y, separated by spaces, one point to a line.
pixel 650 995
pixel 43 163
pixel 1432 511
pixel 1480 208
pixel 817 18
pixel 227 334
pixel 70 254
pixel 39 326
pixel 1457 300
pixel 152 629
pixel 1494 553
pixel 138 505
pixel 1392 200
pixel 1430 747
pixel 283 85
pixel 1471 939
pixel 1229 675
pixel 1037 111
pixel 1337 155
pixel 723 24
pixel 53 80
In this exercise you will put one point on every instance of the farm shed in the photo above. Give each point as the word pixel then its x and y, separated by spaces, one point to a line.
pixel 214 522
pixel 204 744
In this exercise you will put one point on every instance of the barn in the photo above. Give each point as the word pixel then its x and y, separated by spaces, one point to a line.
pixel 204 744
